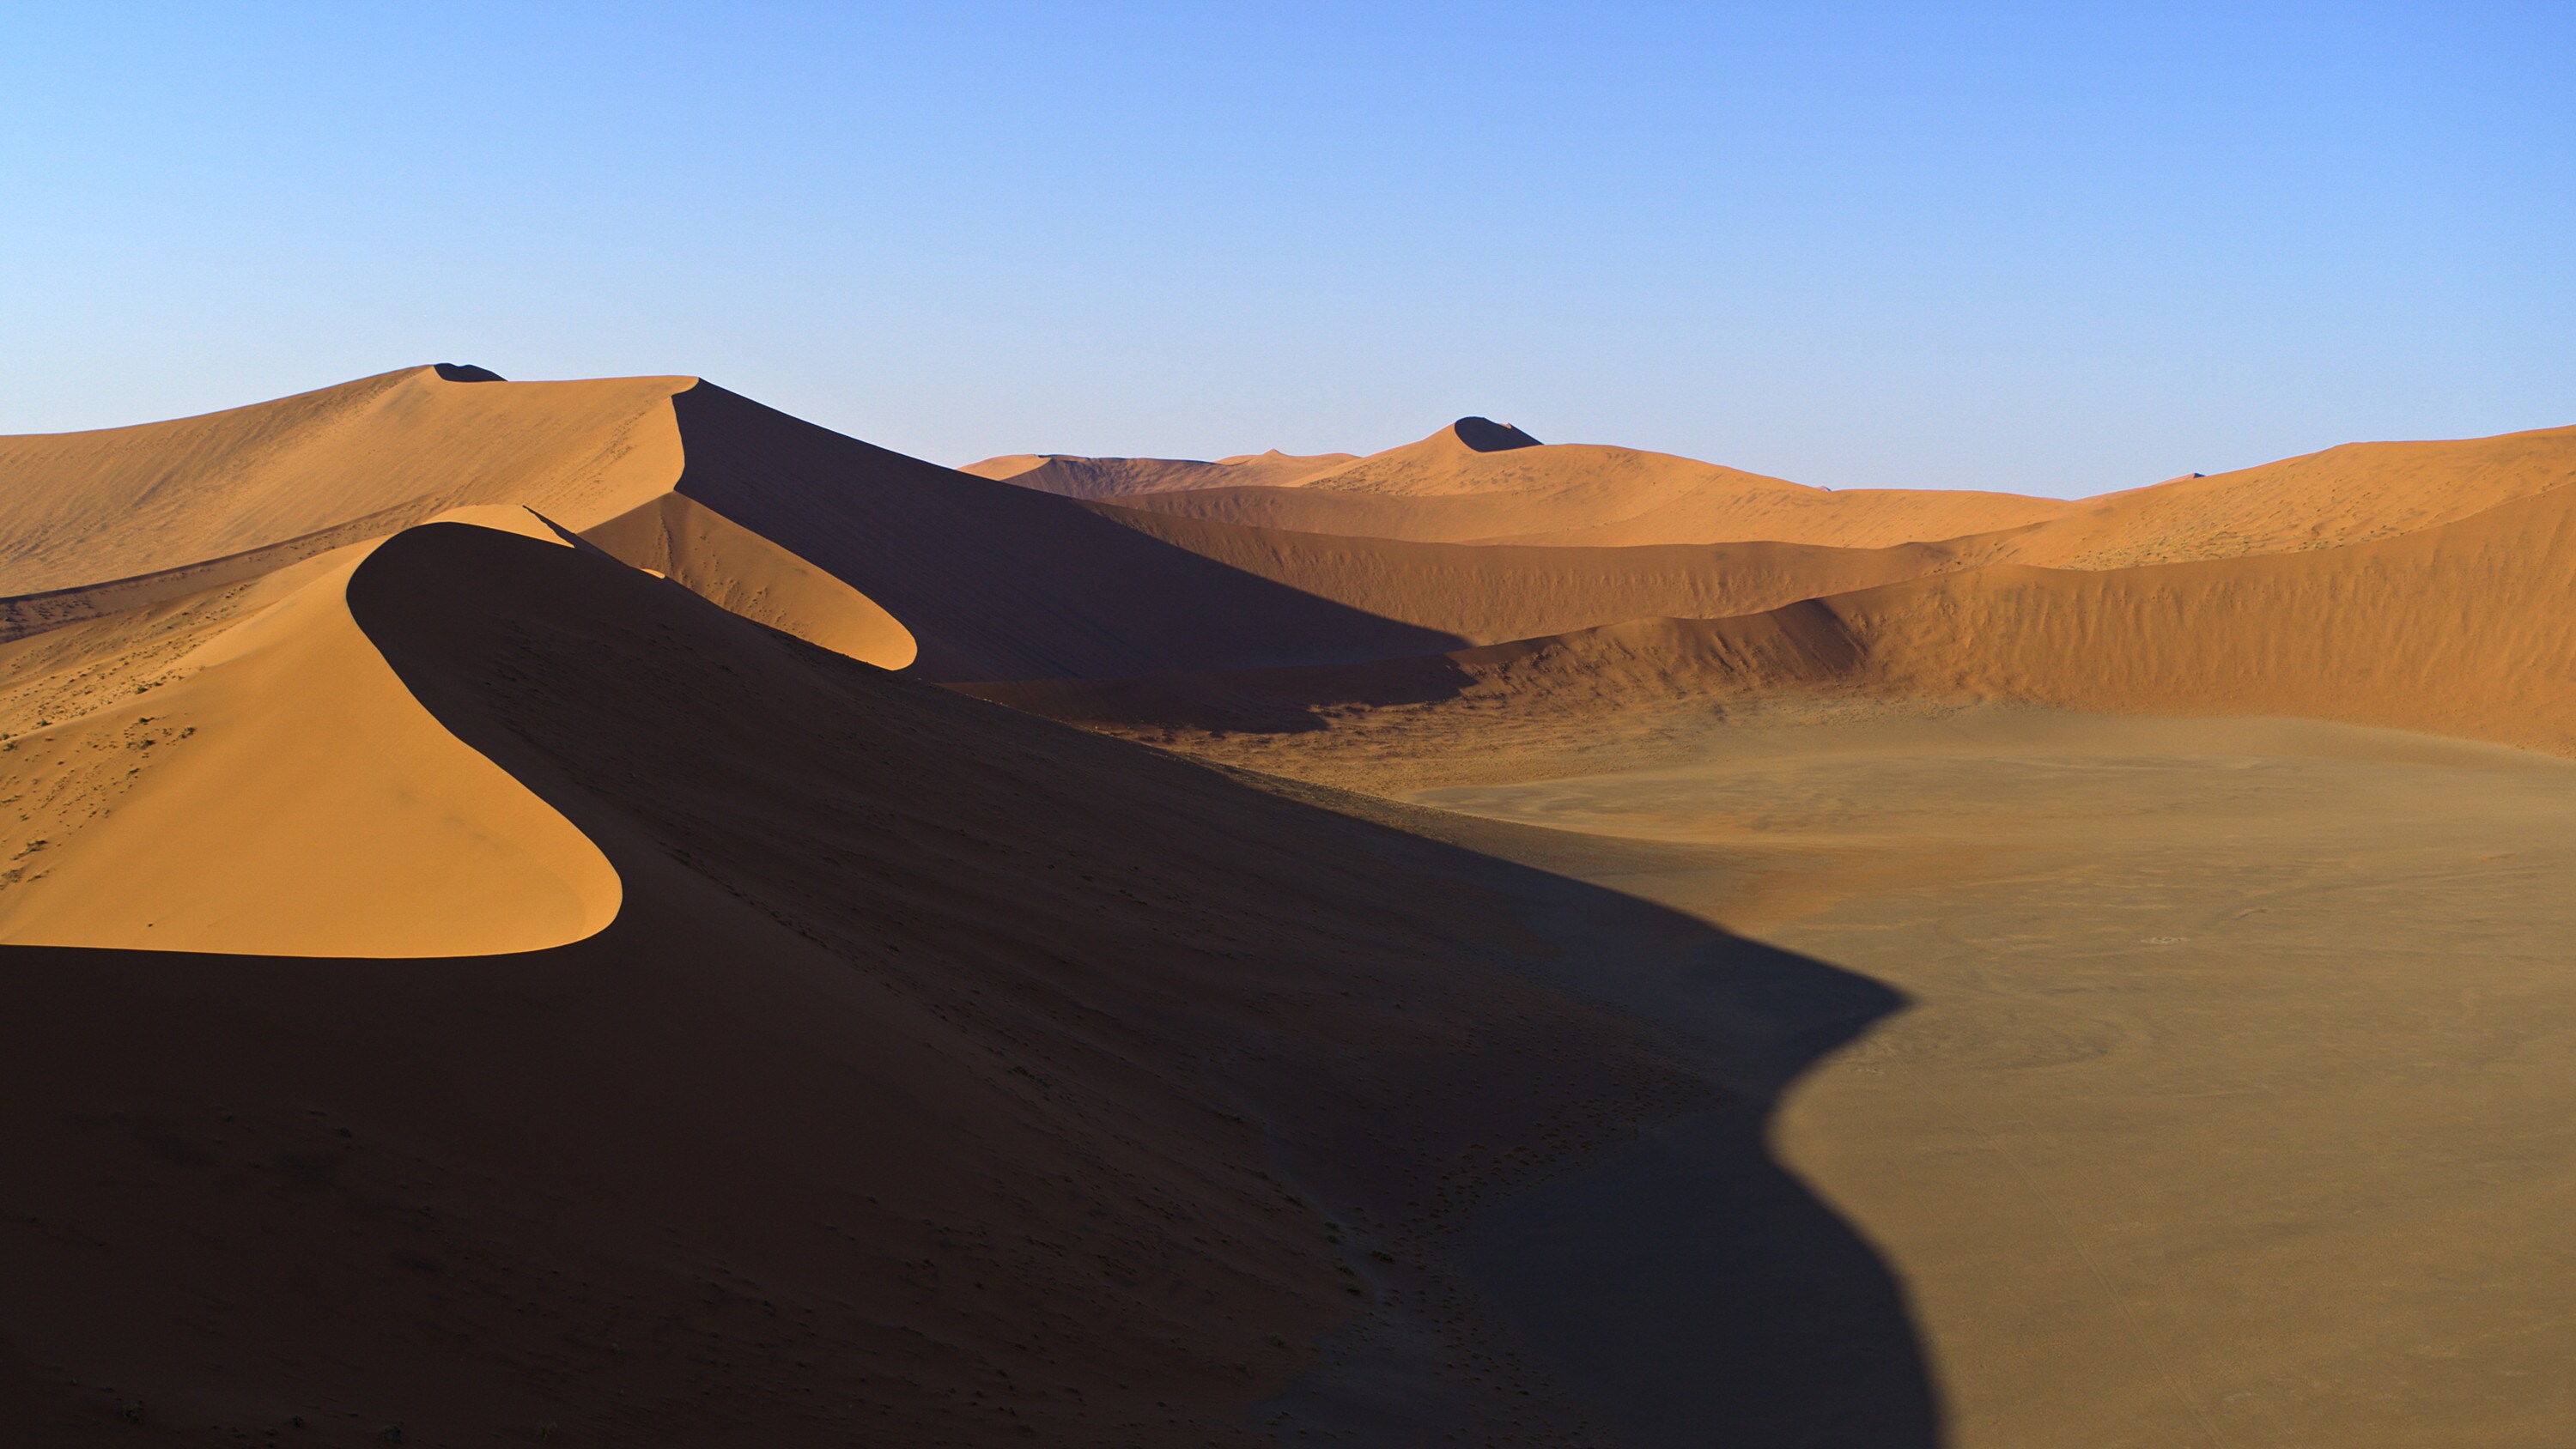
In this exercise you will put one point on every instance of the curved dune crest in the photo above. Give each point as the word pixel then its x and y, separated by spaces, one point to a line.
pixel 358 460
pixel 2355 493
pixel 738 570
pixel 282 793
pixel 1442 489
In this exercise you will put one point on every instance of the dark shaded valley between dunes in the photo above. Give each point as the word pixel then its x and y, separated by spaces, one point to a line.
pixel 599 912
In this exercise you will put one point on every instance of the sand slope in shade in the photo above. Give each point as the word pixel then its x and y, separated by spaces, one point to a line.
pixel 739 571
pixel 933 1085
pixel 1485 595
pixel 1067 588
pixel 266 784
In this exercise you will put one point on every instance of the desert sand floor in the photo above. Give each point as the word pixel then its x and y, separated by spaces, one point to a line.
pixel 2234 1103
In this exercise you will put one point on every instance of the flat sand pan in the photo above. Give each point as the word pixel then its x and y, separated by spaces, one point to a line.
pixel 2236 1100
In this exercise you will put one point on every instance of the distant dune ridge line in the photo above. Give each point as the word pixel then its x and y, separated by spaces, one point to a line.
pixel 2459 629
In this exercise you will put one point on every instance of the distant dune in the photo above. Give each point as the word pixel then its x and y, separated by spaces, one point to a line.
pixel 1439 489
pixel 1117 477
pixel 2455 629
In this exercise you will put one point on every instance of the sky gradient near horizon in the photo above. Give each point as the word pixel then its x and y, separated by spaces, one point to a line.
pixel 2051 249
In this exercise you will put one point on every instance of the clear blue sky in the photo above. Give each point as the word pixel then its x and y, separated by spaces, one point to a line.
pixel 2055 249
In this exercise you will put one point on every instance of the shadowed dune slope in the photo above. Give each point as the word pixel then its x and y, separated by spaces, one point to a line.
pixel 928 1088
pixel 741 572
pixel 348 462
pixel 1489 594
pixel 243 773
pixel 996 581
pixel 2460 629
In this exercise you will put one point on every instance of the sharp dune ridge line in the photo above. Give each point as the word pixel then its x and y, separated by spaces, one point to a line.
pixel 1440 489
pixel 88 508
pixel 372 831
pixel 510 908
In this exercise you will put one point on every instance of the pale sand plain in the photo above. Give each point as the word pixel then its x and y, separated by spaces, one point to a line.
pixel 2229 1103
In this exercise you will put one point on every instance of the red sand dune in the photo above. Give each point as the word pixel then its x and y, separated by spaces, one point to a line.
pixel 1439 489
pixel 1442 490
pixel 2459 629
pixel 929 1085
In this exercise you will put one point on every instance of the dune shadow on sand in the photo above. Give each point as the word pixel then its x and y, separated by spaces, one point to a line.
pixel 1695 1282
pixel 1689 1289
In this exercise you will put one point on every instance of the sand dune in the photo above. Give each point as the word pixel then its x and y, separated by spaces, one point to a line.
pixel 505 939
pixel 934 1081
pixel 1069 591
pixel 2348 494
pixel 2351 494
pixel 1490 594
pixel 2457 629
pixel 862 550
pixel 1441 489
pixel 996 580
pixel 378 454
pixel 1076 477
pixel 1066 588
pixel 743 573
pixel 243 773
